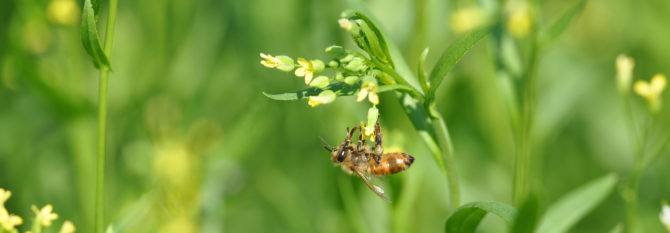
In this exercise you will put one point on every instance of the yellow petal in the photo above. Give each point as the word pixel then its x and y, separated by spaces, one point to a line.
pixel 308 77
pixel 68 227
pixel 300 72
pixel 361 95
pixel 658 83
pixel 374 98
pixel 314 101
pixel 303 62
pixel 642 88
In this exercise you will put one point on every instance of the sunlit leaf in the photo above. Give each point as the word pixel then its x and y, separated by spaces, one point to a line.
pixel 451 56
pixel 89 36
pixel 572 207
pixel 467 217
pixel 563 22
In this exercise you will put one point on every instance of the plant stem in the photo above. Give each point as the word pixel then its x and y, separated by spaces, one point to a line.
pixel 102 123
pixel 523 152
pixel 447 154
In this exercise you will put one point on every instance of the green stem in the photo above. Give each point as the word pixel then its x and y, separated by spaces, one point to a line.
pixel 523 153
pixel 447 154
pixel 102 123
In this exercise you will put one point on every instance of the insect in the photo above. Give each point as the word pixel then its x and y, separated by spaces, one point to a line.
pixel 361 159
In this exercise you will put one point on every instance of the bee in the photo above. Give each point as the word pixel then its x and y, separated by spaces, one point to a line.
pixel 361 159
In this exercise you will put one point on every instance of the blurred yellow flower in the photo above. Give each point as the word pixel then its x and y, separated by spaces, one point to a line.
pixel 308 69
pixel 624 72
pixel 466 19
pixel 65 12
pixel 519 21
pixel 651 91
pixel 369 90
pixel 9 221
pixel 68 227
pixel 4 196
pixel 45 215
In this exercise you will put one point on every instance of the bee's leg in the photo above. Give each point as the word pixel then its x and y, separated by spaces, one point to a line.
pixel 361 142
pixel 379 149
pixel 379 191
pixel 351 133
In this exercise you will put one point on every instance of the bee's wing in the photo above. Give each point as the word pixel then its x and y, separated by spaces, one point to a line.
pixel 378 190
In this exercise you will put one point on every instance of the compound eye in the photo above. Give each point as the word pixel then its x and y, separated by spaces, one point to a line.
pixel 341 156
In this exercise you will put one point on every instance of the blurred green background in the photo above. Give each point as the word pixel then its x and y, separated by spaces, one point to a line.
pixel 193 145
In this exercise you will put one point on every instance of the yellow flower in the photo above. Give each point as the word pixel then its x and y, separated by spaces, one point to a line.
pixel 624 72
pixel 651 91
pixel 4 196
pixel 466 19
pixel 519 21
pixel 9 221
pixel 324 97
pixel 283 63
pixel 68 227
pixel 65 12
pixel 45 215
pixel 369 90
pixel 308 69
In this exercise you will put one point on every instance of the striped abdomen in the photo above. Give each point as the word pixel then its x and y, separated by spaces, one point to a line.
pixel 391 163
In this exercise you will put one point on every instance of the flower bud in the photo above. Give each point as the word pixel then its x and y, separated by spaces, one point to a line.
pixel 351 80
pixel 320 82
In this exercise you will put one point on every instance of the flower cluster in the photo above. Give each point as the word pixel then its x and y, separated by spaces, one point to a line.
pixel 43 218
pixel 651 91
pixel 351 70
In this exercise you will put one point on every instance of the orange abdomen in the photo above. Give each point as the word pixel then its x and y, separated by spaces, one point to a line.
pixel 391 163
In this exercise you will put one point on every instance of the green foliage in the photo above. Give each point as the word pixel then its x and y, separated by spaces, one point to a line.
pixel 89 35
pixel 450 56
pixel 467 217
pixel 567 211
pixel 562 23
pixel 526 218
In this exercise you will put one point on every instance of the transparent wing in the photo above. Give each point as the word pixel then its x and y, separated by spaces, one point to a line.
pixel 376 189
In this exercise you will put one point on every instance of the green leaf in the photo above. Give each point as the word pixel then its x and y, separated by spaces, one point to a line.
pixel 89 36
pixel 378 34
pixel 527 217
pixel 467 217
pixel 572 207
pixel 451 56
pixel 421 71
pixel 340 89
pixel 392 87
pixel 563 22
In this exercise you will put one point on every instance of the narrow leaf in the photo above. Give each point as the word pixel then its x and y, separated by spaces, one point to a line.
pixel 392 87
pixel 89 37
pixel 563 22
pixel 340 89
pixel 421 72
pixel 451 56
pixel 527 217
pixel 467 217
pixel 378 34
pixel 567 211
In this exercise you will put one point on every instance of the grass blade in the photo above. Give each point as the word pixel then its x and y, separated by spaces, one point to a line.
pixel 451 56
pixel 567 211
pixel 558 27
pixel 467 217
pixel 89 36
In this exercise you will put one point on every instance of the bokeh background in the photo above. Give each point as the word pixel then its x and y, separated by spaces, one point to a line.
pixel 193 145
